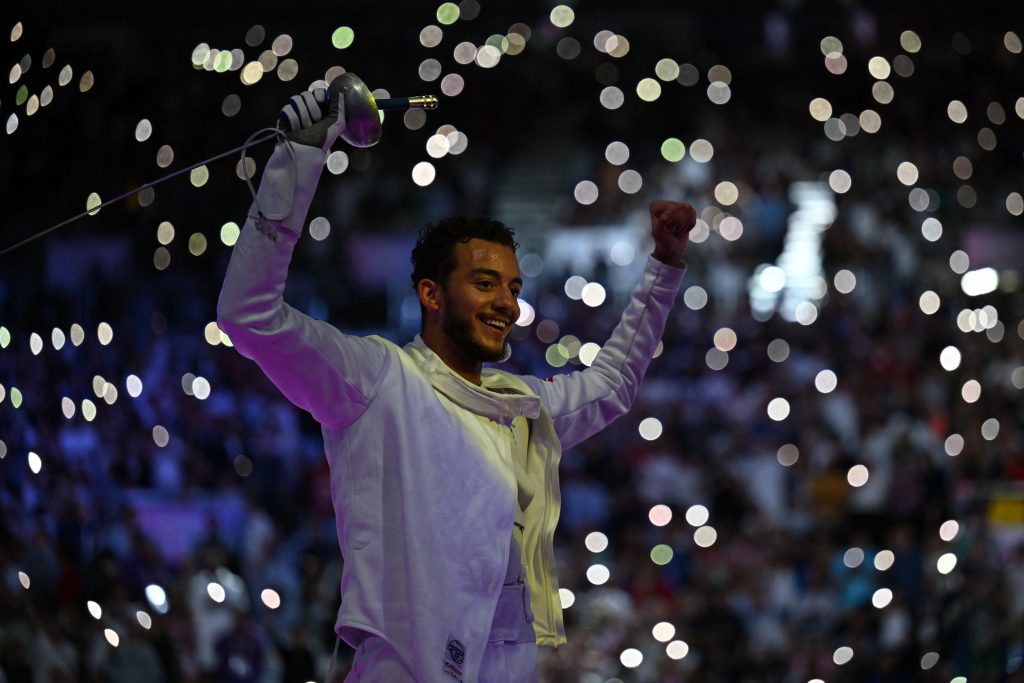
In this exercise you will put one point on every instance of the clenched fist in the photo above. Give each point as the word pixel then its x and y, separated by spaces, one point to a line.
pixel 671 223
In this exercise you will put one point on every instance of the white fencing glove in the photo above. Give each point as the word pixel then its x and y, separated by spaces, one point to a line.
pixel 314 117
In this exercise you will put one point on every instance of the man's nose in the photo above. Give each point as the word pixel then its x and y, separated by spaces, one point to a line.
pixel 507 302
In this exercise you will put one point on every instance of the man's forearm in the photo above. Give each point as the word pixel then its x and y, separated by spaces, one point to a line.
pixel 251 297
pixel 583 403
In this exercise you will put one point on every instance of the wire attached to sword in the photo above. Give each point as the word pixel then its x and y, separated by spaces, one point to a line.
pixel 388 104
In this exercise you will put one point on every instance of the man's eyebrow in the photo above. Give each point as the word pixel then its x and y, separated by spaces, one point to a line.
pixel 495 274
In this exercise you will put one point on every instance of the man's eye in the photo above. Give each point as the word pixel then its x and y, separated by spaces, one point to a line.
pixel 515 293
pixel 484 284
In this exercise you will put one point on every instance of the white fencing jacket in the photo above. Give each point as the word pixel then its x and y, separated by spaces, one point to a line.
pixel 423 484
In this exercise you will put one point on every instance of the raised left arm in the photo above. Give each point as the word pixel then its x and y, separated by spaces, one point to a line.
pixel 582 403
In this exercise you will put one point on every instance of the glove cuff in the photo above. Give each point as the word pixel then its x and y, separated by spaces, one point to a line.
pixel 288 184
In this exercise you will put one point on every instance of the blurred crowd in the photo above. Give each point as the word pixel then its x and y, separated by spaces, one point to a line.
pixel 171 534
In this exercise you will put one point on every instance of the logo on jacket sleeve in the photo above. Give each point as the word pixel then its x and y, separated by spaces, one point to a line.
pixel 454 658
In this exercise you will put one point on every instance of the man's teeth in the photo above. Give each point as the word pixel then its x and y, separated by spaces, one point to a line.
pixel 497 324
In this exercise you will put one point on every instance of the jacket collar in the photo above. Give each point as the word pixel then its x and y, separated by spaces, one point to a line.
pixel 486 400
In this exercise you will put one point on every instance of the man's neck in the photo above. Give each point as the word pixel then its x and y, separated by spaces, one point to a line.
pixel 468 368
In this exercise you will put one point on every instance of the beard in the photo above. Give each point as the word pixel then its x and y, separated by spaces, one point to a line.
pixel 460 331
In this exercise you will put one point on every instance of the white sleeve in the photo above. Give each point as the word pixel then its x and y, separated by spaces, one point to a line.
pixel 584 402
pixel 330 374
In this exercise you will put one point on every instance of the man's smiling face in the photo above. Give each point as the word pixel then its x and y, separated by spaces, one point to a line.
pixel 479 302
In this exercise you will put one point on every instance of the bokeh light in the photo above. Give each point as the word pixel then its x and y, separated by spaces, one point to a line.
pixel 787 455
pixel 562 16
pixel 423 173
pixel 663 631
pixel 650 428
pixel 857 476
pixel 853 557
pixel 585 192
pixel 661 554
pixel 697 515
pixel 673 150
pixel 631 658
pixel 598 574
pixel 884 560
pixel 342 38
pixel 596 542
pixel 705 536
pixel 778 409
pixel 677 649
pixel 660 515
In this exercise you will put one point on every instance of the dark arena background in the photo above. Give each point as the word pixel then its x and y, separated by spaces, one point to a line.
pixel 822 479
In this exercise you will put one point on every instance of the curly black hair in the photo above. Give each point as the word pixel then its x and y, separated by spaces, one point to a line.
pixel 433 257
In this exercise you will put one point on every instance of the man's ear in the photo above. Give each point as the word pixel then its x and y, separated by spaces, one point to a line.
pixel 429 293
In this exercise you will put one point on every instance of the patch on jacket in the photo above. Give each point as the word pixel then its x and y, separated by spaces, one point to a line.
pixel 454 658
